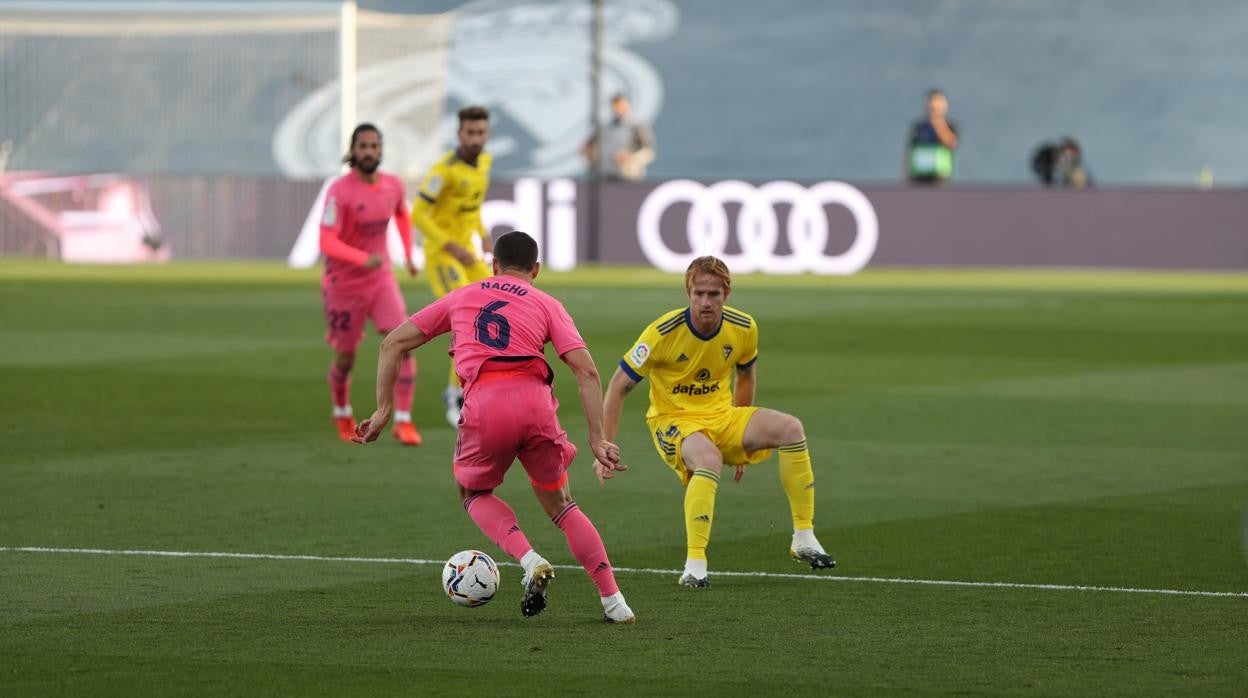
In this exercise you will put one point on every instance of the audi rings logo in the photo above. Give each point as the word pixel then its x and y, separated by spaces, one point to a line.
pixel 758 226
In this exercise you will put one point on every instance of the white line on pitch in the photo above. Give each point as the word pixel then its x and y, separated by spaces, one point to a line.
pixel 636 570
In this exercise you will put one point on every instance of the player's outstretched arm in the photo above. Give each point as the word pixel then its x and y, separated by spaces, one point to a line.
pixel 589 386
pixel 613 404
pixel 333 246
pixel 422 220
pixel 402 339
pixel 743 396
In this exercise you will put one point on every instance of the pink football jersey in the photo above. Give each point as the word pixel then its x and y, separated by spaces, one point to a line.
pixel 358 214
pixel 503 318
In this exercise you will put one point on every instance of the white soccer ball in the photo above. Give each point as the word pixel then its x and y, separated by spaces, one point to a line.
pixel 470 578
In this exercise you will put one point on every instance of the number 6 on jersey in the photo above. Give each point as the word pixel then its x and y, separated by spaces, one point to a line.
pixel 493 330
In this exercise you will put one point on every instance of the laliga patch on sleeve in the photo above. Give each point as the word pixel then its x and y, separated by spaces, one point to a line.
pixel 637 357
pixel 434 186
pixel 331 212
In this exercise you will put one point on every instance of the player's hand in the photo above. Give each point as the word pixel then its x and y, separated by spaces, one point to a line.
pixel 368 430
pixel 606 452
pixel 736 477
pixel 374 260
pixel 412 269
pixel 606 460
pixel 487 244
pixel 606 471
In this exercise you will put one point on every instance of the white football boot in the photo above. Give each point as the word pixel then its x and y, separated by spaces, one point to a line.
pixel 806 548
pixel 537 576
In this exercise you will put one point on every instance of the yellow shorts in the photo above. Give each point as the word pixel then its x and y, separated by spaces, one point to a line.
pixel 726 430
pixel 446 274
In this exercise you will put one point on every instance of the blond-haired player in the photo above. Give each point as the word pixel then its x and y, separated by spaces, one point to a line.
pixel 699 422
pixel 448 212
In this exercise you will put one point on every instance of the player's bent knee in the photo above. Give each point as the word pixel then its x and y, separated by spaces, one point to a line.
pixel 792 430
pixel 553 501
pixel 698 452
pixel 714 464
pixel 345 360
pixel 465 494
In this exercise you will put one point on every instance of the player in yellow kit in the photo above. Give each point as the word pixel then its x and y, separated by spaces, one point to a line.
pixel 448 213
pixel 699 422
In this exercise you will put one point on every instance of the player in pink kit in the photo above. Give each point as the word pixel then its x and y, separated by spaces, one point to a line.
pixel 358 284
pixel 499 328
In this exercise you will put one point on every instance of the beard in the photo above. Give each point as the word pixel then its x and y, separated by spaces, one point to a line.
pixel 367 166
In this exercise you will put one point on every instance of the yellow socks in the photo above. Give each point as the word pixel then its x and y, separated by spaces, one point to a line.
pixel 798 481
pixel 700 510
pixel 796 477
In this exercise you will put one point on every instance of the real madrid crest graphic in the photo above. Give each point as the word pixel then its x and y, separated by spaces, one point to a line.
pixel 538 124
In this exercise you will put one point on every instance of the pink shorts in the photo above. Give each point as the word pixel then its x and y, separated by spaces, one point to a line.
pixel 346 310
pixel 505 418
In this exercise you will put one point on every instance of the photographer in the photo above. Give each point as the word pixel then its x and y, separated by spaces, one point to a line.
pixel 1061 164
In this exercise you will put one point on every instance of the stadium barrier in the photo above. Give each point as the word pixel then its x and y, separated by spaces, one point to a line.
pixel 92 218
pixel 776 227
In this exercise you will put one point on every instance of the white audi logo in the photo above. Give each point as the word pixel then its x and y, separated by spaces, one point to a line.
pixel 758 228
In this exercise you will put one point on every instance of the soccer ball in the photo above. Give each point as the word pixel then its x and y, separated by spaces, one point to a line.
pixel 470 578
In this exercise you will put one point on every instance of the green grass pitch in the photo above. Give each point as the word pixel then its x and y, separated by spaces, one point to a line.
pixel 1071 429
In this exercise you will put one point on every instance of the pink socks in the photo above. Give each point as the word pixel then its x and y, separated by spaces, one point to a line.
pixel 339 386
pixel 586 546
pixel 498 522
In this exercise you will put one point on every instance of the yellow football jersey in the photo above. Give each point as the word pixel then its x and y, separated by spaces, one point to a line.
pixel 690 372
pixel 448 208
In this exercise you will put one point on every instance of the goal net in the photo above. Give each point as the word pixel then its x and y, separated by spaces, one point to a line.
pixel 215 88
